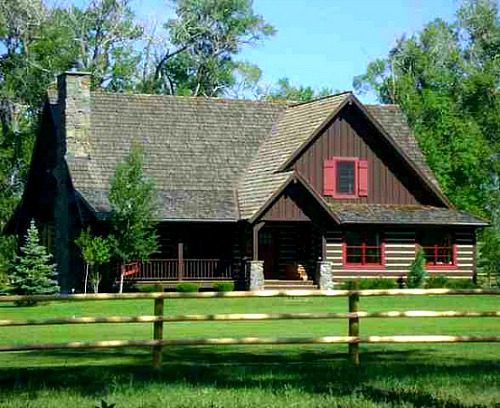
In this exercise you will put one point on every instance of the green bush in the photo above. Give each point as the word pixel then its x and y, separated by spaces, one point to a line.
pixel 461 284
pixel 224 286
pixel 437 282
pixel 150 288
pixel 362 284
pixel 187 287
pixel 417 275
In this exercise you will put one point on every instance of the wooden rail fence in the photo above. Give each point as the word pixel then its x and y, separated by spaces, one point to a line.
pixel 158 319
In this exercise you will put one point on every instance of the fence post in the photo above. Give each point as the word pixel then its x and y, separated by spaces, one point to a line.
pixel 354 327
pixel 158 334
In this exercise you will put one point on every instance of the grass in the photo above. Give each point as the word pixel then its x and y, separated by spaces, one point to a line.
pixel 454 375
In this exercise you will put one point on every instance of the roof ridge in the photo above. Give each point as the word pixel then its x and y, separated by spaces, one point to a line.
pixel 184 97
pixel 293 105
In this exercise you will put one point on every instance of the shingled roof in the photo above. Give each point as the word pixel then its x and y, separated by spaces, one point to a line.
pixel 211 159
pixel 394 122
pixel 195 149
pixel 403 215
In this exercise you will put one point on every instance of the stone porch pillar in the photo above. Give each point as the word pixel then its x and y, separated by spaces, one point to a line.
pixel 325 275
pixel 256 269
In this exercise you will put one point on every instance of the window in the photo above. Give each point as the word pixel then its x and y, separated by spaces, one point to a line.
pixel 363 248
pixel 440 252
pixel 345 177
pixel 345 182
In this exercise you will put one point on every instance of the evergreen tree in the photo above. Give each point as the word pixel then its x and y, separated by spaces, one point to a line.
pixel 417 275
pixel 34 273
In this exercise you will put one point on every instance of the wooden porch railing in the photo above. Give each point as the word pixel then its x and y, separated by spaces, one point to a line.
pixel 186 269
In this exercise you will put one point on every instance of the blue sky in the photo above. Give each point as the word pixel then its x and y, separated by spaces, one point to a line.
pixel 325 43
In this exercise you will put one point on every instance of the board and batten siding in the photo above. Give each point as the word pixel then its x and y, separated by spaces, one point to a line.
pixel 351 135
pixel 400 247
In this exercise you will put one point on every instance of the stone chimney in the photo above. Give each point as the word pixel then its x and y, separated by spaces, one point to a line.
pixel 73 88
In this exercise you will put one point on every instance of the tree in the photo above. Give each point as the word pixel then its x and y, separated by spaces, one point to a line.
pixel 285 91
pixel 133 205
pixel 95 251
pixel 417 274
pixel 446 80
pixel 33 273
pixel 204 38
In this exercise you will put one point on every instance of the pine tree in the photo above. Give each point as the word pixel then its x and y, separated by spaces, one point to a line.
pixel 34 273
pixel 417 275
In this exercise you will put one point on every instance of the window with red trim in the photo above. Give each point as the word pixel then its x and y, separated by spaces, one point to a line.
pixel 439 250
pixel 362 248
pixel 345 177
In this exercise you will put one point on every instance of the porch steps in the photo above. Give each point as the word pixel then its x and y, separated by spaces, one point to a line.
pixel 289 285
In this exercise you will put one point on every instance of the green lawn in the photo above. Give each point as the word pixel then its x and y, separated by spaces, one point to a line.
pixel 453 375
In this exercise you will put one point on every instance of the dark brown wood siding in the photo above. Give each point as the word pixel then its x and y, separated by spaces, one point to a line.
pixel 390 180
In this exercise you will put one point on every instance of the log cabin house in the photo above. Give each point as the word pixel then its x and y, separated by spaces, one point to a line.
pixel 257 192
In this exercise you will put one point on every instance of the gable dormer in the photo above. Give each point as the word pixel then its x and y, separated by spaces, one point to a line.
pixel 351 159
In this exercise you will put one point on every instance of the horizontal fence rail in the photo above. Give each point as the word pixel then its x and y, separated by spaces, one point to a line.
pixel 158 320
pixel 249 294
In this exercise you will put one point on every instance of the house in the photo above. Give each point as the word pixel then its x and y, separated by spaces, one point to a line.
pixel 250 190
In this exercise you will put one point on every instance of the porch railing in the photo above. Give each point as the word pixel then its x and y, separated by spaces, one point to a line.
pixel 186 269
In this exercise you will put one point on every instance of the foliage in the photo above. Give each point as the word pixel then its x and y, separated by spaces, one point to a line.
pixel 436 282
pixel 104 404
pixel 224 286
pixel 205 36
pixel 363 284
pixel 95 251
pixel 187 287
pixel 417 274
pixel 445 78
pixel 133 203
pixel 33 273
pixel 489 251
pixel 287 92
pixel 150 288
pixel 461 284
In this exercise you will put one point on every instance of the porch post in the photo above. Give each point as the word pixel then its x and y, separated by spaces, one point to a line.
pixel 325 281
pixel 180 260
pixel 255 240
pixel 256 267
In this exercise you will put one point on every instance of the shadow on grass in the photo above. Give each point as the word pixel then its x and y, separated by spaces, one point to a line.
pixel 313 370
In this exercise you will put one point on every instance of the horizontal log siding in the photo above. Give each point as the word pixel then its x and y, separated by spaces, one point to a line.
pixel 351 135
pixel 400 247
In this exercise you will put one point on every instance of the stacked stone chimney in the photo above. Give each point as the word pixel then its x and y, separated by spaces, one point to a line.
pixel 74 103
pixel 73 98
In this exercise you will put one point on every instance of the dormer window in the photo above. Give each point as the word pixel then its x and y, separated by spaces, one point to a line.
pixel 345 177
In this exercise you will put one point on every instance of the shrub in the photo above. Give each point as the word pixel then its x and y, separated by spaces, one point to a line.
pixel 34 273
pixel 187 287
pixel 150 288
pixel 417 275
pixel 461 284
pixel 362 284
pixel 224 286
pixel 437 282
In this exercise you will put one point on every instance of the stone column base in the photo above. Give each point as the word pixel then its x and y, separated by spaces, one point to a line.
pixel 256 269
pixel 325 275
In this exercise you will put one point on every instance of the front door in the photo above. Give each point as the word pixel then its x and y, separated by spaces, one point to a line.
pixel 268 252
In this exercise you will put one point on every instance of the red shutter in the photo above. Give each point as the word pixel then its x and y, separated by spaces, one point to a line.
pixel 363 178
pixel 329 177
